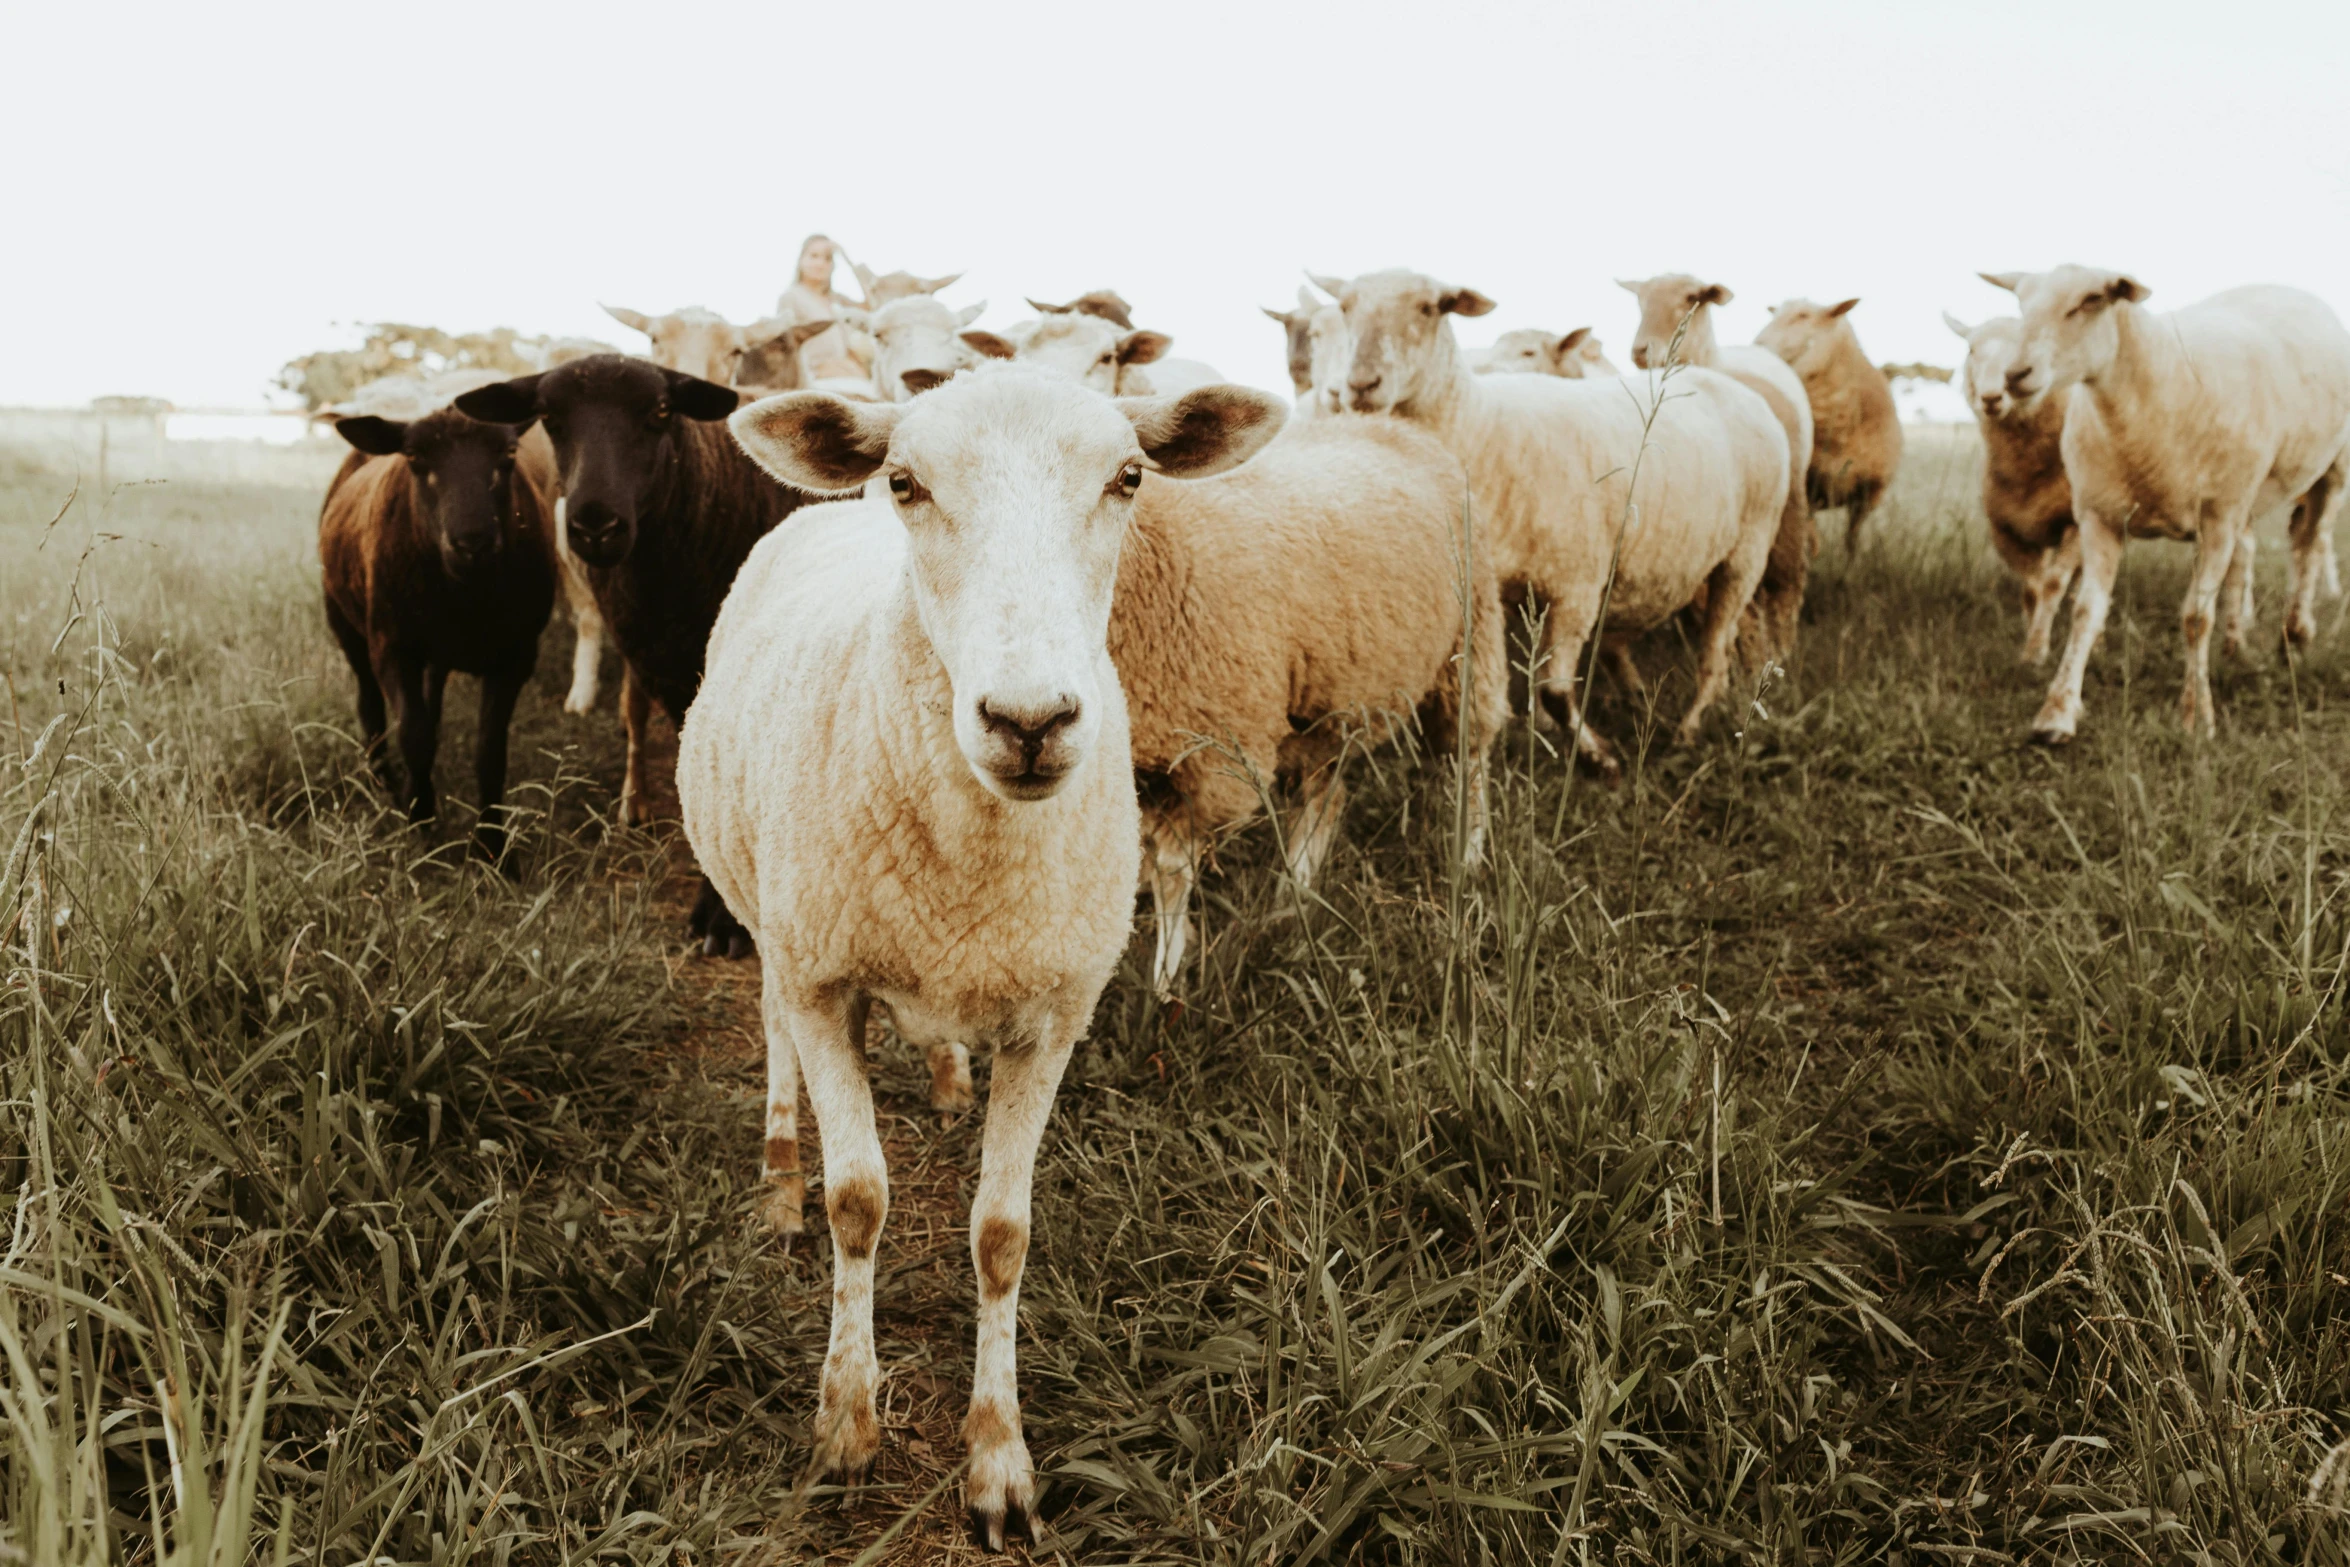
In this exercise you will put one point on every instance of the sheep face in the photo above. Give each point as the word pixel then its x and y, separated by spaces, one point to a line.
pixel 1403 348
pixel 1533 351
pixel 613 422
pixel 1090 350
pixel 1333 350
pixel 697 341
pixel 1673 318
pixel 2070 327
pixel 1991 350
pixel 915 344
pixel 460 474
pixel 1808 335
pixel 1015 486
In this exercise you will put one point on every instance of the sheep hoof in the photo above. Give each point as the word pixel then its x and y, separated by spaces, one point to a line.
pixel 2050 737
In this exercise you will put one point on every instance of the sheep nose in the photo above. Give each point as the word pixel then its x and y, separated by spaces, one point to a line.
pixel 1029 727
pixel 1359 384
pixel 1640 356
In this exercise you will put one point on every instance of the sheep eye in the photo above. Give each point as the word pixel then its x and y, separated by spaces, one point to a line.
pixel 903 488
pixel 1427 308
pixel 1129 480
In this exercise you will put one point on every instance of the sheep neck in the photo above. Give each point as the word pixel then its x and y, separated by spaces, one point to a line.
pixel 1699 347
pixel 2146 370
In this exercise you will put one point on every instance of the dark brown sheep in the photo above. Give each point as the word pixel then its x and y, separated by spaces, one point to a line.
pixel 438 556
pixel 661 507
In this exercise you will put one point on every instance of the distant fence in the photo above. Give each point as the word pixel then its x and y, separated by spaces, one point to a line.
pixel 108 446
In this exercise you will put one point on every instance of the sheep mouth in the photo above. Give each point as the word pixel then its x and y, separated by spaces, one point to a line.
pixel 1028 784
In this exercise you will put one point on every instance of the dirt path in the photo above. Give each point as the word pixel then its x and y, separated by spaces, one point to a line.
pixel 923 1307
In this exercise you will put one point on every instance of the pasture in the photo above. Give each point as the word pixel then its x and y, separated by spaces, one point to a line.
pixel 1858 1137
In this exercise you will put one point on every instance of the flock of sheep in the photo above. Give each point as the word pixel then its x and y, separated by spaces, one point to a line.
pixel 1079 606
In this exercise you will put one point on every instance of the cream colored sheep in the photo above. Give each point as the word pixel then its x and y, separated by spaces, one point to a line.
pixel 1534 351
pixel 1095 351
pixel 1271 619
pixel 2025 494
pixel 915 345
pixel 1677 322
pixel 1297 328
pixel 1856 429
pixel 1553 464
pixel 2184 426
pixel 907 772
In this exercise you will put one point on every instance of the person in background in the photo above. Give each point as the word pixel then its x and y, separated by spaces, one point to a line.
pixel 828 355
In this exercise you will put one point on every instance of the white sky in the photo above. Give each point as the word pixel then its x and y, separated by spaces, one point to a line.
pixel 197 194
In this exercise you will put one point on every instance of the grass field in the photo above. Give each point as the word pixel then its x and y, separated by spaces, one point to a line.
pixel 1857 1138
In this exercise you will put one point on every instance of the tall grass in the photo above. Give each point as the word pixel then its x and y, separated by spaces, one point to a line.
pixel 1859 1137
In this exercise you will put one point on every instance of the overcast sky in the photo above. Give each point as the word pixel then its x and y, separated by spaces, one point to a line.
pixel 197 194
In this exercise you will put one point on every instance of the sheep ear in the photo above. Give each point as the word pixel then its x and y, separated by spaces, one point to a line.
pixel 1572 341
pixel 1306 301
pixel 1281 316
pixel 376 437
pixel 990 344
pixel 1205 430
pixel 1333 286
pixel 864 276
pixel 635 319
pixel 2006 280
pixel 503 402
pixel 1714 294
pixel 934 284
pixel 1463 302
pixel 2122 287
pixel 1958 326
pixel 1627 287
pixel 1043 309
pixel 815 441
pixel 1840 307
pixel 970 313
pixel 1143 348
pixel 920 381
pixel 696 398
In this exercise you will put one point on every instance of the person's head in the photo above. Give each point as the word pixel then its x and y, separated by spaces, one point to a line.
pixel 816 259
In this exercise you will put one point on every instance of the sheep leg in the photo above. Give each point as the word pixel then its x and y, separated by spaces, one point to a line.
pixel 1173 868
pixel 1625 668
pixel 950 1079
pixel 371 693
pixel 587 621
pixel 1724 604
pixel 2216 541
pixel 1555 674
pixel 2235 595
pixel 1001 1490
pixel 498 695
pixel 2312 536
pixel 2045 590
pixel 636 713
pixel 1315 827
pixel 1857 507
pixel 417 695
pixel 780 1163
pixel 2101 559
pixel 830 1041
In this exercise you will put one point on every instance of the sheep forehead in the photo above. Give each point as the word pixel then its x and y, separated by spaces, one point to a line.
pixel 915 310
pixel 2060 288
pixel 1010 423
pixel 1993 347
pixel 1393 288
pixel 1526 340
pixel 1085 331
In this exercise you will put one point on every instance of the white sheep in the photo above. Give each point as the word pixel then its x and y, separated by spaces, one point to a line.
pixel 2184 426
pixel 907 772
pixel 1856 426
pixel 1677 322
pixel 1531 350
pixel 2026 496
pixel 1097 352
pixel 915 345
pixel 704 343
pixel 1553 465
